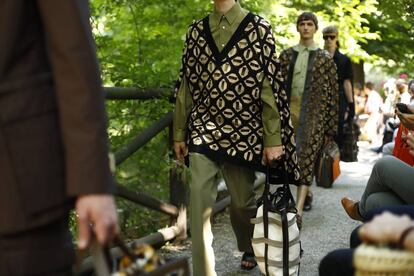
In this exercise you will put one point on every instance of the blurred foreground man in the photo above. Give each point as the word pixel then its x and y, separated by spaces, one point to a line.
pixel 232 116
pixel 312 90
pixel 53 141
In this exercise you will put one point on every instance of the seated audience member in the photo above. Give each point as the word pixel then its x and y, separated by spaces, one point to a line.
pixel 390 182
pixel 373 126
pixel 360 98
pixel 402 87
pixel 384 226
pixel 392 126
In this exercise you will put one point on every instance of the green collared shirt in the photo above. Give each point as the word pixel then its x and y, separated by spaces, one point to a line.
pixel 222 27
pixel 298 80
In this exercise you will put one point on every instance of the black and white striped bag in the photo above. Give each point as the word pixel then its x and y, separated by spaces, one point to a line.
pixel 276 239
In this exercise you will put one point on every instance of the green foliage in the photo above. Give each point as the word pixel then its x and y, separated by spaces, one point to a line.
pixel 348 16
pixel 394 22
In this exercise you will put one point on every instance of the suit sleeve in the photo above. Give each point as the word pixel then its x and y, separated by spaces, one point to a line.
pixel 79 94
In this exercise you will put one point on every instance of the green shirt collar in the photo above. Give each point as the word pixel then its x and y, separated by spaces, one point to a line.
pixel 230 16
pixel 300 48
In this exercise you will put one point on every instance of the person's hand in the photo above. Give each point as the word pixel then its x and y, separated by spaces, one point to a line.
pixel 384 229
pixel 98 211
pixel 409 139
pixel 406 119
pixel 180 150
pixel 271 154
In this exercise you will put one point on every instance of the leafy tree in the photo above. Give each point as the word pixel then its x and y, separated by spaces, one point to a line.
pixel 348 16
pixel 395 23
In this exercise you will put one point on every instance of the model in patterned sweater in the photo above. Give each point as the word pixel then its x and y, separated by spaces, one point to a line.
pixel 232 116
pixel 312 89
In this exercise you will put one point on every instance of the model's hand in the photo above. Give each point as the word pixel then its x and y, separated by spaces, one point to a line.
pixel 385 228
pixel 98 211
pixel 271 154
pixel 406 119
pixel 181 151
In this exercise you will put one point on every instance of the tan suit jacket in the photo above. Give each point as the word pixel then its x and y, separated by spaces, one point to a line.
pixel 53 140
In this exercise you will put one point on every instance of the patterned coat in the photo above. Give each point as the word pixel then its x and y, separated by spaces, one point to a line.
pixel 225 120
pixel 319 108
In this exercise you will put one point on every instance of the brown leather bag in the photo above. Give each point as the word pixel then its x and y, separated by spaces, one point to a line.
pixel 327 167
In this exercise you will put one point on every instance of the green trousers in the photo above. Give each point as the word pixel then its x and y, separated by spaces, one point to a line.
pixel 203 184
pixel 391 183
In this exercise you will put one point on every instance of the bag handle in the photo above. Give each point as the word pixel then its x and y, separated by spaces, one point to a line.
pixel 282 200
pixel 265 200
pixel 102 260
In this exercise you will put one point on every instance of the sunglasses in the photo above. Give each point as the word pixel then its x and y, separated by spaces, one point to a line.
pixel 331 37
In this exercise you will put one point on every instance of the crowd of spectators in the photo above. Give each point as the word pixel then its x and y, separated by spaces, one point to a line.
pixel 386 206
pixel 375 107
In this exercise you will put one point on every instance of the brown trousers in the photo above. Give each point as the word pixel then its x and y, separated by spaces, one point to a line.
pixel 46 250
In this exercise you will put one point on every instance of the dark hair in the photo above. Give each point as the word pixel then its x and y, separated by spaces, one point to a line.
pixel 307 16
pixel 369 85
pixel 411 83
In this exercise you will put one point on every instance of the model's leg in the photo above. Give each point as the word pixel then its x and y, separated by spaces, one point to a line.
pixel 382 199
pixel 301 193
pixel 240 183
pixel 203 195
pixel 389 175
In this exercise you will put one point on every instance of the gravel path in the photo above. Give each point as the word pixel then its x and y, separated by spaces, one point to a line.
pixel 325 228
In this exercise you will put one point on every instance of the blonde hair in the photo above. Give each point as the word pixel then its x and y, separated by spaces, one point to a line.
pixel 330 29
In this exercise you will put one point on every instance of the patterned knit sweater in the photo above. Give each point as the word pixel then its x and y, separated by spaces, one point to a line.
pixel 319 107
pixel 225 122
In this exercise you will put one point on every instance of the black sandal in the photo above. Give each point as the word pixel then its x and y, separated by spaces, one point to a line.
pixel 248 258
pixel 307 206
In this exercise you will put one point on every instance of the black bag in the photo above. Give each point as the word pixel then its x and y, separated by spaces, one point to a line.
pixel 327 167
pixel 349 149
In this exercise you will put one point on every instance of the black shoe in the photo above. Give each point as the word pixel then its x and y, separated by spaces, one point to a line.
pixel 307 206
pixel 248 262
